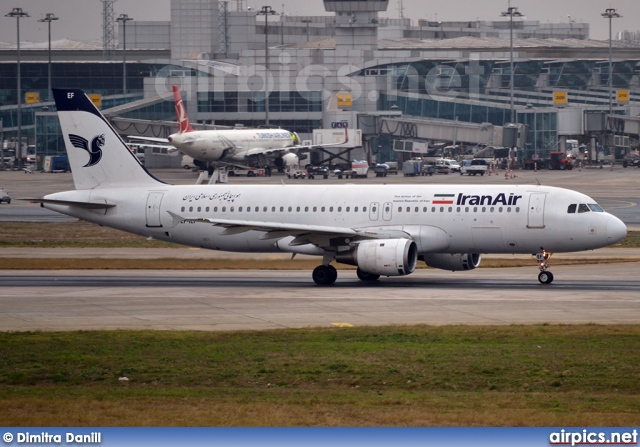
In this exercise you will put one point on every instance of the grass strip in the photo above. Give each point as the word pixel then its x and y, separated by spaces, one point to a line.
pixel 400 376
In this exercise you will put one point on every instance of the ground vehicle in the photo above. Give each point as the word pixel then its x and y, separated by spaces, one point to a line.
pixel 428 169
pixel 4 196
pixel 187 162
pixel 381 170
pixel 411 168
pixel 319 171
pixel 556 160
pixel 473 167
pixel 443 163
pixel 359 169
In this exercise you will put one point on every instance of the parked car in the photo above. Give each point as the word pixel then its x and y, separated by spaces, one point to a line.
pixel 187 162
pixel 4 196
pixel 474 167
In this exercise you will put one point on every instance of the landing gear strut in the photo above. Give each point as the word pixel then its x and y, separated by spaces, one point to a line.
pixel 544 277
pixel 325 275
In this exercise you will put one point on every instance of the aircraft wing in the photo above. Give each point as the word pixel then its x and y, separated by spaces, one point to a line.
pixel 318 235
pixel 260 151
pixel 296 148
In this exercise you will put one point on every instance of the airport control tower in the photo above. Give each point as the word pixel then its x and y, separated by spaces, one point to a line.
pixel 356 22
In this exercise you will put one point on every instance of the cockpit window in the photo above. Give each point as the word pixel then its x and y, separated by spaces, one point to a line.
pixel 583 208
pixel 596 208
pixel 572 208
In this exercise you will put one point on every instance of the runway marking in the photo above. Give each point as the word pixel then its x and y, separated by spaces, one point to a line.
pixel 341 325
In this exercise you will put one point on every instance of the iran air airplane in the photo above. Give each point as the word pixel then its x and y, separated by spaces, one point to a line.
pixel 384 230
pixel 242 146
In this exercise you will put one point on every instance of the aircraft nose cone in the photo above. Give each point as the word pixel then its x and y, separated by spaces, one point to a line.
pixel 616 230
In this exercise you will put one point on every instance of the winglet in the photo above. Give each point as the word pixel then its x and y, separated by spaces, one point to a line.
pixel 181 112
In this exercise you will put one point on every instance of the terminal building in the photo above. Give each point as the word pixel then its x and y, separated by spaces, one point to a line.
pixel 443 84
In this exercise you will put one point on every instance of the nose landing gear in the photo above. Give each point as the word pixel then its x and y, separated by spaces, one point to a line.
pixel 544 277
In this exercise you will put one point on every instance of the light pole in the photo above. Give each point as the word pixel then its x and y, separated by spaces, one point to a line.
pixel 610 13
pixel 17 13
pixel 266 11
pixel 50 17
pixel 307 21
pixel 124 18
pixel 512 12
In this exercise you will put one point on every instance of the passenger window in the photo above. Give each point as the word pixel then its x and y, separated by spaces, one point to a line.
pixel 331 209
pixel 572 208
pixel 297 209
pixel 182 209
pixel 355 210
pixel 374 209
pixel 281 209
pixel 231 209
pixel 224 209
pixel 583 208
pixel 315 208
pixel 215 209
pixel 399 209
pixel 364 209
pixel 322 209
pixel 348 208
pixel 339 209
pixel 290 208
pixel 306 209
pixel 239 209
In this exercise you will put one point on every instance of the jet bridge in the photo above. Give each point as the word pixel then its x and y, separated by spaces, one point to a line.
pixel 441 131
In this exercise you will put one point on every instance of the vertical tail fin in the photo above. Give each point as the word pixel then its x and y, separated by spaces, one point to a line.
pixel 181 112
pixel 97 155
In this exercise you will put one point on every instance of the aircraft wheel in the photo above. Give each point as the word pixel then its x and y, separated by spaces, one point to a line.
pixel 210 170
pixel 324 275
pixel 364 276
pixel 545 277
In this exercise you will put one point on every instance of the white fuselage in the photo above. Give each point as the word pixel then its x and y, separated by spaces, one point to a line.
pixel 236 145
pixel 439 218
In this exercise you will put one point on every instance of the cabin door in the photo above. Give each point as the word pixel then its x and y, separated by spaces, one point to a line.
pixel 153 209
pixel 536 210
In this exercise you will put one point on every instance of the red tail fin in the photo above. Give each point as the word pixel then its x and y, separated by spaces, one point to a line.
pixel 181 112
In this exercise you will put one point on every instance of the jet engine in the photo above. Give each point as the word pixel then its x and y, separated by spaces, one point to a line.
pixel 454 262
pixel 387 257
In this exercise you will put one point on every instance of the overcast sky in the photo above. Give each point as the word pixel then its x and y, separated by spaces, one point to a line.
pixel 82 19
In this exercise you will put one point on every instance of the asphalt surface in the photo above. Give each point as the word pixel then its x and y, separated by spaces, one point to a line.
pixel 249 300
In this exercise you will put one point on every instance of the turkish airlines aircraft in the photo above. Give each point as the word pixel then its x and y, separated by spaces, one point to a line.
pixel 382 229
pixel 242 146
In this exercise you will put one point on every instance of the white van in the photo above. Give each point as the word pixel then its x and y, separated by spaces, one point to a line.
pixel 445 165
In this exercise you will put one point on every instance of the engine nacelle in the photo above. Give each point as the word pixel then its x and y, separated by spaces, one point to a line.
pixel 385 257
pixel 454 262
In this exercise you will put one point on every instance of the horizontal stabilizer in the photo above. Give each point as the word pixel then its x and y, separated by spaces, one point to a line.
pixel 77 204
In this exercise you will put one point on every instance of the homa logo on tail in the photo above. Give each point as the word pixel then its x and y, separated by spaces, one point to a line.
pixel 95 151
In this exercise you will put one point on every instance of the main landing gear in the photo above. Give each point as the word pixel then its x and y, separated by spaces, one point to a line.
pixel 325 275
pixel 544 277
